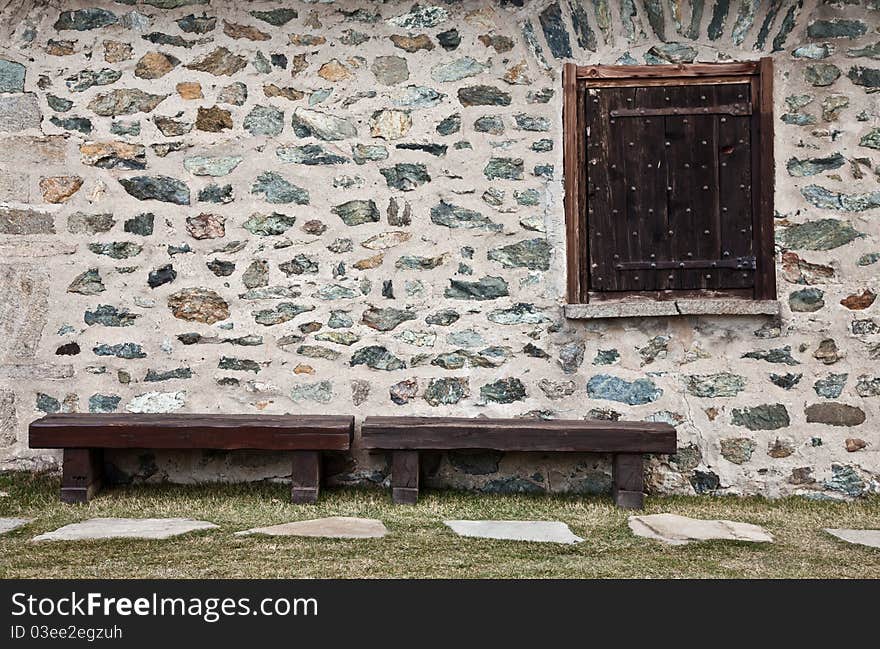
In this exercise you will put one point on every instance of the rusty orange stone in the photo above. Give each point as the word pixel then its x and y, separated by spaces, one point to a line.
pixel 58 189
pixel 189 90
pixel 334 71
pixel 237 31
pixel 412 43
pixel 859 301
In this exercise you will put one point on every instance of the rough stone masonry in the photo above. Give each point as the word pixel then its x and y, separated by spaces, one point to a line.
pixel 334 207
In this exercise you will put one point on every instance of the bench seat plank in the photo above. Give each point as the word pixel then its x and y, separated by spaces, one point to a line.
pixel 204 431
pixel 448 433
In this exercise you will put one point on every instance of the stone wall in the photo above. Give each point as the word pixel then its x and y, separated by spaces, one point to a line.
pixel 339 207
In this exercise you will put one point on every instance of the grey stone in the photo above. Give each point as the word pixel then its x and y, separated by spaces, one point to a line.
pixel 555 31
pixel 11 76
pixel 453 216
pixel 363 153
pixel 309 154
pixel 390 70
pixel 867 386
pixel 535 531
pixel 405 176
pixel 821 74
pixel 506 390
pixel 264 120
pixel 613 388
pixel 9 524
pixel 85 19
pixel 786 381
pixel 870 51
pixel 278 190
pixel 836 28
pixel 447 391
pixel 284 312
pixel 110 316
pixel 824 198
pixel 120 350
pixel 483 96
pixel 276 17
pixel 449 125
pixel 61 105
pixel 665 53
pixel 449 40
pixel 571 357
pixel 117 249
pixel 124 102
pixel 812 166
pixel 378 358
pixel 533 254
pixel 125 528
pixel 158 188
pixel 104 403
pixel 87 283
pixel 519 313
pixel 267 225
pixel 486 288
pixel 219 62
pixel 475 462
pixel 673 529
pixel 737 450
pixel 26 221
pixel 457 70
pixel 764 417
pixel 492 124
pixel 869 538
pixel 386 319
pixel 192 24
pixel 823 234
pixel 866 77
pixel 153 376
pixel 656 347
pixel 831 386
pixel 301 264
pixel 610 357
pixel 815 51
pixel 336 527
pixel 357 212
pixel 722 384
pixel 201 165
pixel 504 168
pixel 806 300
pixel 19 112
pixel 420 17
pixel 312 123
pixel 86 79
pixel 871 139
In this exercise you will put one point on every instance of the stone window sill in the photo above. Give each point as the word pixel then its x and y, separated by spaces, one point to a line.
pixel 660 308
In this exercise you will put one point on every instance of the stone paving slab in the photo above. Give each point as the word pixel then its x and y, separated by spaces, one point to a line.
pixel 125 528
pixel 334 527
pixel 539 531
pixel 680 530
pixel 9 524
pixel 870 538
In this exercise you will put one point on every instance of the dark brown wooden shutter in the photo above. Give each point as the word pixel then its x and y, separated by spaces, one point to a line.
pixel 669 197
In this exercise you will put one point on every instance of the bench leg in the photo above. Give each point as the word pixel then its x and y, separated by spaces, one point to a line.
pixel 306 477
pixel 81 477
pixel 405 477
pixel 629 481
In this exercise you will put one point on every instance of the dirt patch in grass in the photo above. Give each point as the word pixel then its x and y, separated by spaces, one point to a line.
pixel 418 544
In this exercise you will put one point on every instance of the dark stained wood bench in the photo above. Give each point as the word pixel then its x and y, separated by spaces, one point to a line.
pixel 84 436
pixel 627 441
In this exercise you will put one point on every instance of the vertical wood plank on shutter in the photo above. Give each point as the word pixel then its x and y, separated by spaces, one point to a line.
pixel 704 201
pixel 599 187
pixel 734 181
pixel 681 132
pixel 636 171
pixel 619 248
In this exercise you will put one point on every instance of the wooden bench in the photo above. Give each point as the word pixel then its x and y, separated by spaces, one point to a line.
pixel 84 436
pixel 627 441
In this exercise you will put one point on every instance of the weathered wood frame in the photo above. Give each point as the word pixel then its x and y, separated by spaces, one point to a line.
pixel 759 74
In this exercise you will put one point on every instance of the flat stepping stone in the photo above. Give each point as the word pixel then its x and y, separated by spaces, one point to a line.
pixel 539 531
pixel 334 527
pixel 680 530
pixel 870 538
pixel 125 528
pixel 9 524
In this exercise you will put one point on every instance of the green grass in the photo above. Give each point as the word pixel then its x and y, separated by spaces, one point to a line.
pixel 418 544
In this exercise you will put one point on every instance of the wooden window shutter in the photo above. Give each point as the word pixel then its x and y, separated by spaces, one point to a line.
pixel 669 191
